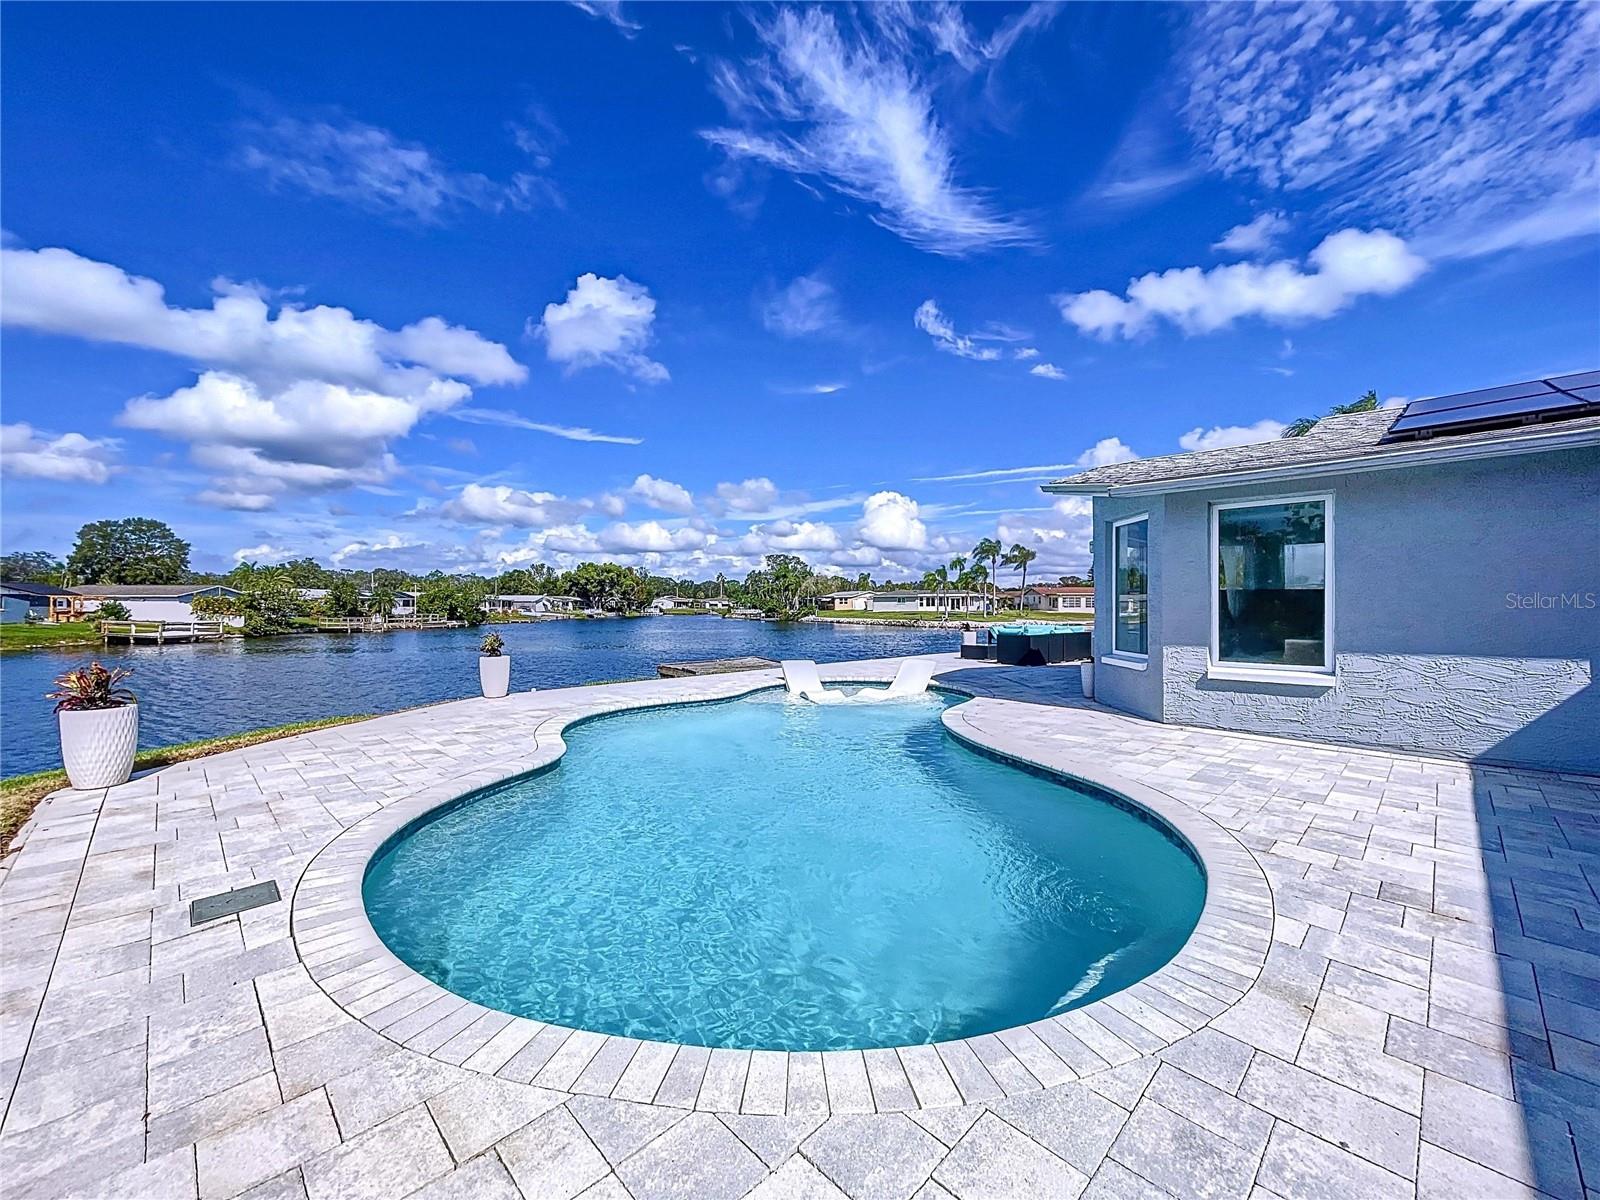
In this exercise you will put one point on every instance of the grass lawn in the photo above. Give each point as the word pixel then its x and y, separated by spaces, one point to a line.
pixel 28 636
pixel 20 794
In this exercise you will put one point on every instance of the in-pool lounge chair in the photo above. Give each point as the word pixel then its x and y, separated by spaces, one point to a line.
pixel 912 679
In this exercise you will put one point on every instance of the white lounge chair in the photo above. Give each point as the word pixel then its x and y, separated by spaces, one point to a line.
pixel 801 678
pixel 911 679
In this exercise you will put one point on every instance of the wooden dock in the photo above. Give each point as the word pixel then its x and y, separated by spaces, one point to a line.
pixel 715 666
pixel 369 625
pixel 161 632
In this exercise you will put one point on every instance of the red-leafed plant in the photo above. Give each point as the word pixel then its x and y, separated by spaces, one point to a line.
pixel 91 687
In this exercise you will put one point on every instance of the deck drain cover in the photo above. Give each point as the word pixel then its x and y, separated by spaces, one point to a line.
pixel 225 904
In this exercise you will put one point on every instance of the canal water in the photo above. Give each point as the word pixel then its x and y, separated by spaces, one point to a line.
pixel 197 691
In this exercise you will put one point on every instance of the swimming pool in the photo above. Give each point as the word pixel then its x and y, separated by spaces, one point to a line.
pixel 767 874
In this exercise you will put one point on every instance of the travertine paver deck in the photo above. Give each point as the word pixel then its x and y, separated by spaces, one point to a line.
pixel 1426 1020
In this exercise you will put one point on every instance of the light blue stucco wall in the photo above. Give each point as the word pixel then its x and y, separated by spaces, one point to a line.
pixel 1450 634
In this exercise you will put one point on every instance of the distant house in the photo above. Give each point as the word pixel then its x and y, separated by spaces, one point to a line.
pixel 661 603
pixel 927 600
pixel 146 601
pixel 34 602
pixel 715 604
pixel 529 606
pixel 859 600
pixel 1425 580
pixel 1059 597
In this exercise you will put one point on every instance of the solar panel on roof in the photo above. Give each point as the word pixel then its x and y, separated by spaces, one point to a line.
pixel 1555 399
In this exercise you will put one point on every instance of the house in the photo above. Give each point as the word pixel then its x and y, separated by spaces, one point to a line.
pixel 662 603
pixel 716 604
pixel 859 600
pixel 146 601
pixel 529 606
pixel 34 602
pixel 1423 579
pixel 1060 598
pixel 927 600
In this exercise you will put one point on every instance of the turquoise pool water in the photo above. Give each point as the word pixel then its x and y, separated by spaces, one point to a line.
pixel 771 874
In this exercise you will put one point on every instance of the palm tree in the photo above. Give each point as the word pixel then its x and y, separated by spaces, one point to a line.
pixel 1305 425
pixel 958 566
pixel 989 550
pixel 1019 556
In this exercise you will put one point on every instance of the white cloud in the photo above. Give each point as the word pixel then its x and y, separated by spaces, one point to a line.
pixel 1470 126
pixel 809 305
pixel 753 495
pixel 1061 534
pixel 511 420
pixel 25 453
pixel 265 552
pixel 503 505
pixel 852 109
pixel 1256 236
pixel 789 537
pixel 932 322
pixel 237 501
pixel 1218 436
pixel 662 494
pixel 1344 267
pixel 1105 452
pixel 1024 353
pixel 1046 370
pixel 603 322
pixel 293 399
pixel 56 291
pixel 810 389
pixel 371 169
pixel 890 521
pixel 611 11
pixel 650 536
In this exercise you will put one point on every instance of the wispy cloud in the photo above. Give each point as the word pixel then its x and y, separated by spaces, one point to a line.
pixel 932 322
pixel 511 420
pixel 1046 370
pixel 808 305
pixel 1342 268
pixel 1256 236
pixel 375 170
pixel 609 10
pixel 1473 126
pixel 827 388
pixel 851 106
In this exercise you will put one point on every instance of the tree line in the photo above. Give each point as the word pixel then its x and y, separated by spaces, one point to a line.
pixel 141 550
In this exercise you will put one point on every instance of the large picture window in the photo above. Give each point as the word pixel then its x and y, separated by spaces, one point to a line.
pixel 1131 616
pixel 1273 604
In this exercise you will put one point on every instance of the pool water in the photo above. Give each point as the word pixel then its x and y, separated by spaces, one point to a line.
pixel 772 874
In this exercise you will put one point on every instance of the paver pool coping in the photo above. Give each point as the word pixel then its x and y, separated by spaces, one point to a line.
pixel 349 962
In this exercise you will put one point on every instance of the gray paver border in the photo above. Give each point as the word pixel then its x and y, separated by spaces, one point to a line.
pixel 1215 968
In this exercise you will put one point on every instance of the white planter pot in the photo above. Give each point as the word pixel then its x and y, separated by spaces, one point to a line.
pixel 97 745
pixel 1086 675
pixel 495 675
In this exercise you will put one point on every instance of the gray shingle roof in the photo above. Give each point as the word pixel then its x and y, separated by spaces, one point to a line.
pixel 1353 438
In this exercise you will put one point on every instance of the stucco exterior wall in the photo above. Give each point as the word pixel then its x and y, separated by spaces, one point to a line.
pixel 1132 690
pixel 1466 621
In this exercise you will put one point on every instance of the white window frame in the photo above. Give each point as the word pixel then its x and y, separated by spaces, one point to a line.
pixel 1129 658
pixel 1323 676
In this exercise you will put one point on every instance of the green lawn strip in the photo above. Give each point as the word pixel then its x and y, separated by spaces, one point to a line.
pixel 22 636
pixel 20 794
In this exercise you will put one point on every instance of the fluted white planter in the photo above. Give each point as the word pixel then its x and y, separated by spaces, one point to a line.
pixel 495 675
pixel 97 745
pixel 1086 676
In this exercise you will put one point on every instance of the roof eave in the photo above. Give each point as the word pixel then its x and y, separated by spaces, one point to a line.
pixel 1430 456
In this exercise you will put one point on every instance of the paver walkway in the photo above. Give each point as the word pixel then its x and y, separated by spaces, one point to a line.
pixel 1426 1021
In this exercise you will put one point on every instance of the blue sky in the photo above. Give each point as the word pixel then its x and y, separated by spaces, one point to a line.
pixel 466 286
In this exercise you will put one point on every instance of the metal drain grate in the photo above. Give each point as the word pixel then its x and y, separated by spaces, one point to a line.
pixel 225 904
